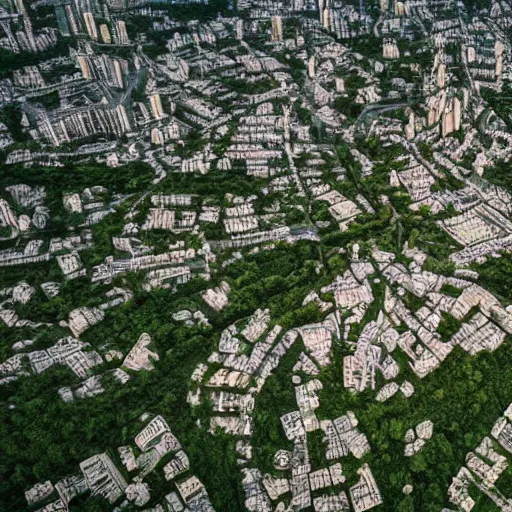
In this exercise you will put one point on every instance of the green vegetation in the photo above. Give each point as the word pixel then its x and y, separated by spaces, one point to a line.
pixel 131 177
pixel 500 102
pixel 38 447
pixel 346 104
pixel 495 274
pixel 10 61
pixel 499 174
pixel 49 101
pixel 450 290
pixel 448 326
pixel 462 404
pixel 10 115
pixel 245 87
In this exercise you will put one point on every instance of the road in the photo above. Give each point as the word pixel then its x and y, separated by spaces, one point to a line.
pixel 375 109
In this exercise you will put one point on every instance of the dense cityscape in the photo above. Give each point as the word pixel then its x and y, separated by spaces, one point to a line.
pixel 255 256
